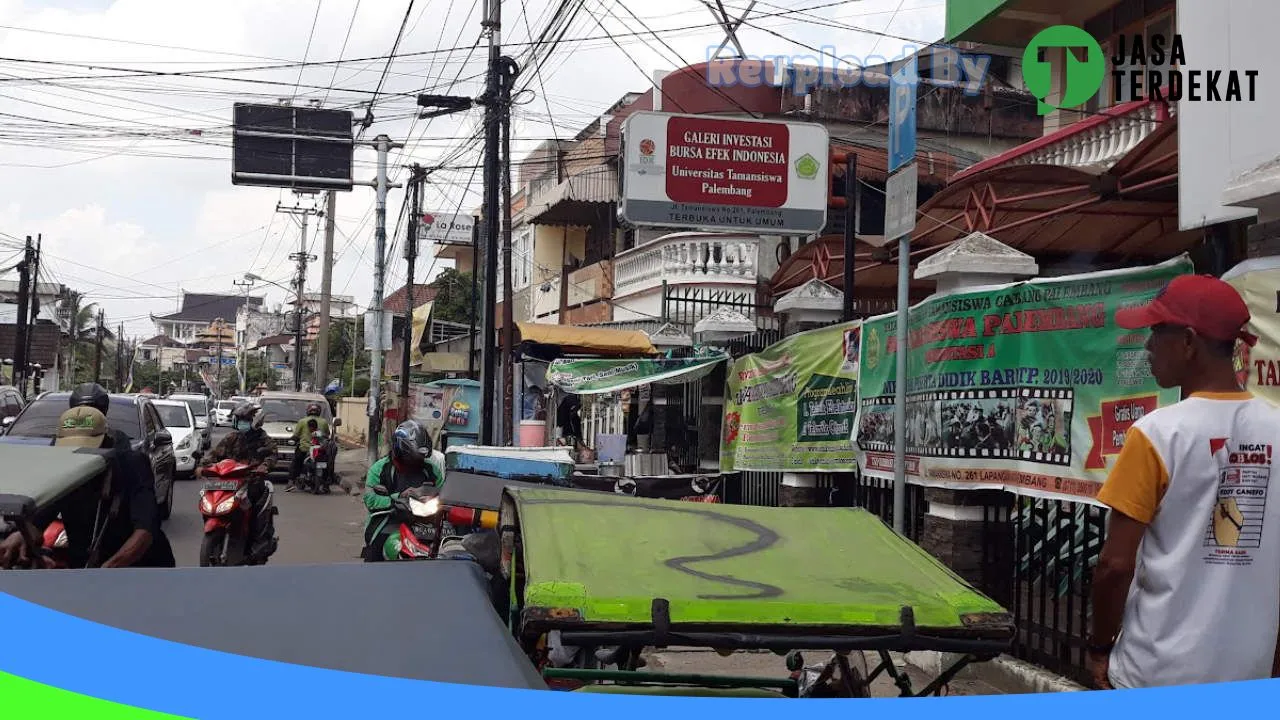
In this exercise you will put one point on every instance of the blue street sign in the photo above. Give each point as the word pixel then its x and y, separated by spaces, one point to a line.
pixel 902 115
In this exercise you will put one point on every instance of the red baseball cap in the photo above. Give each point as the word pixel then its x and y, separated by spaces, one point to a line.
pixel 1203 303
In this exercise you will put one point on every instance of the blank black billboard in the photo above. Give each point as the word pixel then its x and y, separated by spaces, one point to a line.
pixel 314 150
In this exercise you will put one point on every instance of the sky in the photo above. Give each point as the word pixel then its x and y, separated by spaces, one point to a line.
pixel 115 119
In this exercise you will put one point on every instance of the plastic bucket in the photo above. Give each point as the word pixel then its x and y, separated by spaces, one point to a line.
pixel 533 433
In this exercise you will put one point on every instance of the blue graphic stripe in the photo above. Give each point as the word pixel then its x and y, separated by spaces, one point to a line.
pixel 147 672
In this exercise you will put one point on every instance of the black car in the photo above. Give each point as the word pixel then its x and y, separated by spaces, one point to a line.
pixel 133 415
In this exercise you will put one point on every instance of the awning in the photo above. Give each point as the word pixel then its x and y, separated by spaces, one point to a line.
pixel 583 194
pixel 593 377
pixel 586 341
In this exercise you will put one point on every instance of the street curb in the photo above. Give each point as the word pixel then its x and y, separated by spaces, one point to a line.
pixel 1003 672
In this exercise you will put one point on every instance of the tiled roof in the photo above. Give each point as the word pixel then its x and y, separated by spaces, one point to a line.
pixel 395 302
pixel 161 341
pixel 206 307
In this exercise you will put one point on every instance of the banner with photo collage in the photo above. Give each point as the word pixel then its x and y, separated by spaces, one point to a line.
pixel 1027 387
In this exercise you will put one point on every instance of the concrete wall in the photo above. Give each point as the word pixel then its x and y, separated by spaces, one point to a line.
pixel 355 419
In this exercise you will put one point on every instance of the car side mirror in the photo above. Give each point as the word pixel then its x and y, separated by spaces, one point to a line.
pixel 381 490
pixel 5 423
pixel 163 437
pixel 337 422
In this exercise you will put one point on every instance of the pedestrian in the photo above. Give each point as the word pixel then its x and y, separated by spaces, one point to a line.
pixel 1187 587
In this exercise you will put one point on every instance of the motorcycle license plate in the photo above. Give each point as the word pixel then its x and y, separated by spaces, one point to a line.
pixel 322 465
pixel 423 532
pixel 227 485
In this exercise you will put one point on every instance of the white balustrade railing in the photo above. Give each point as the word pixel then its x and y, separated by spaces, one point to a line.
pixel 687 258
pixel 1102 144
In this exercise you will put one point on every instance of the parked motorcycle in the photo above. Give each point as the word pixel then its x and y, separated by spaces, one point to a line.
pixel 228 517
pixel 55 544
pixel 316 475
pixel 413 517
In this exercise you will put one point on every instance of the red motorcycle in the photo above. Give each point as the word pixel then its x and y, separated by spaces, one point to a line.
pixel 55 544
pixel 316 475
pixel 229 517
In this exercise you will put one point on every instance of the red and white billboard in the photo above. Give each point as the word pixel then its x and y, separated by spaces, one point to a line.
pixel 714 173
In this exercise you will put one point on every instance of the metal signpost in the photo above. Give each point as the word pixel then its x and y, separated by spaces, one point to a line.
pixel 900 220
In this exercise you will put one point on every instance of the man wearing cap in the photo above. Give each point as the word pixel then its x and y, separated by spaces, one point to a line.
pixel 1187 588
pixel 111 521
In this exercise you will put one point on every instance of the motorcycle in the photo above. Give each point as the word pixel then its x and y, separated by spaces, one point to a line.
pixel 229 517
pixel 55 544
pixel 414 516
pixel 315 471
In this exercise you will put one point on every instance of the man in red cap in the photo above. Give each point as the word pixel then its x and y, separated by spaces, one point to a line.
pixel 1187 588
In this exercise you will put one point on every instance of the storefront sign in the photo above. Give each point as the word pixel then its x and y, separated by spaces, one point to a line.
pixel 593 377
pixel 1029 387
pixel 446 229
pixel 710 173
pixel 1258 367
pixel 791 407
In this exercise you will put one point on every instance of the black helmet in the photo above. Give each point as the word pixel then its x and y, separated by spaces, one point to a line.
pixel 91 395
pixel 248 411
pixel 313 409
pixel 410 444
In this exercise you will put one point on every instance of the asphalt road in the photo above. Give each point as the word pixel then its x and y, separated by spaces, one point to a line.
pixel 312 528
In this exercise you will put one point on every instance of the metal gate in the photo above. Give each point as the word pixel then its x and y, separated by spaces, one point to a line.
pixel 685 306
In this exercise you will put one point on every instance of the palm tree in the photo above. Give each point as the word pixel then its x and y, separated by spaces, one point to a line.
pixel 81 328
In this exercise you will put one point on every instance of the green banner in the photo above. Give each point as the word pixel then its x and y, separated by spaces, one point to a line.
pixel 592 377
pixel 791 407
pixel 1027 387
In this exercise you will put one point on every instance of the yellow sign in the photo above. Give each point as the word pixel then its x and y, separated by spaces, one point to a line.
pixel 421 317
pixel 1258 282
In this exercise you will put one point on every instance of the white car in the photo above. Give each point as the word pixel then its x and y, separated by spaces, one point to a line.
pixel 222 412
pixel 200 409
pixel 181 424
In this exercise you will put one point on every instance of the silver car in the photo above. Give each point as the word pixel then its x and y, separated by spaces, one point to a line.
pixel 281 412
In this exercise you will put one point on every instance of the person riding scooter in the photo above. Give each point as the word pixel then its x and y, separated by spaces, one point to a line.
pixel 409 465
pixel 302 443
pixel 251 445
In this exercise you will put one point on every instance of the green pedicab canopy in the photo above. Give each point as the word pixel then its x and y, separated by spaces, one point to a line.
pixel 46 474
pixel 608 557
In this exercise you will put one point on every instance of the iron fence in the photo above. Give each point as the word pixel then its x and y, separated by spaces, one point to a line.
pixel 1038 561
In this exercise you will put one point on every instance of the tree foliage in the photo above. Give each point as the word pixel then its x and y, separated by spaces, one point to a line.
pixel 453 301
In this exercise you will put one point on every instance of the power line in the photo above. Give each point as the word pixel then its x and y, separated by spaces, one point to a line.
pixel 311 35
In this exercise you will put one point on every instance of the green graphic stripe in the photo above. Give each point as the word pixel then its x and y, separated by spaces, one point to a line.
pixel 20 697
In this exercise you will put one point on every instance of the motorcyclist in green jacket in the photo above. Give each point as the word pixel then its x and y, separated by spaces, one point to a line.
pixel 409 465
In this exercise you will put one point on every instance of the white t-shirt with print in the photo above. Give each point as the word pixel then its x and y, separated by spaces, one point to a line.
pixel 1204 605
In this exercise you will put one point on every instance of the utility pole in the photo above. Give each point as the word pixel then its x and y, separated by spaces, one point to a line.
pixel 493 112
pixel 505 80
pixel 24 298
pixel 475 298
pixel 97 357
pixel 326 287
pixel 35 304
pixel 384 145
pixel 120 358
pixel 411 257
pixel 218 326
pixel 129 357
pixel 301 257
pixel 241 370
